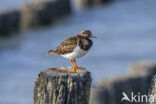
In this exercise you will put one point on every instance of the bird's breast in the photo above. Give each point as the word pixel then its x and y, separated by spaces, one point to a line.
pixel 77 53
pixel 85 44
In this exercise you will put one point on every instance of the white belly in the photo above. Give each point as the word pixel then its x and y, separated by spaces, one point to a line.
pixel 77 53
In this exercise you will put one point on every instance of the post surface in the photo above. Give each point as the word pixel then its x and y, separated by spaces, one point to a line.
pixel 152 91
pixel 55 87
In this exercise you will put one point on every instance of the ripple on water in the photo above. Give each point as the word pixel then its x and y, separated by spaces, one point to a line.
pixel 125 31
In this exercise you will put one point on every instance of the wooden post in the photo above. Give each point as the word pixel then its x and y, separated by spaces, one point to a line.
pixel 9 22
pixel 43 12
pixel 56 87
pixel 152 91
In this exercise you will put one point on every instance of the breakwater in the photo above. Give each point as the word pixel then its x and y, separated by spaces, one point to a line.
pixel 39 13
pixel 137 82
pixel 32 14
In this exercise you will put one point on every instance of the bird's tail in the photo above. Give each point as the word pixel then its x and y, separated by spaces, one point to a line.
pixel 51 52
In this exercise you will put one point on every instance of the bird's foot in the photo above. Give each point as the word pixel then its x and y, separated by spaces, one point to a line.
pixel 74 70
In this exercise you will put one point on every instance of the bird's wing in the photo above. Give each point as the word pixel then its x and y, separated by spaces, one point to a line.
pixel 66 46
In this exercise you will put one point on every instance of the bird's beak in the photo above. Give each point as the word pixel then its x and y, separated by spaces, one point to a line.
pixel 92 36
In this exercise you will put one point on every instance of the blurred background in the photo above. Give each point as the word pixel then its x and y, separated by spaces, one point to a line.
pixel 125 31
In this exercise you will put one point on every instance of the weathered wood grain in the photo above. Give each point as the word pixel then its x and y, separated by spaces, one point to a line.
pixel 57 87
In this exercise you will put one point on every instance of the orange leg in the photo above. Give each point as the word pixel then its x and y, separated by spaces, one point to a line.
pixel 74 69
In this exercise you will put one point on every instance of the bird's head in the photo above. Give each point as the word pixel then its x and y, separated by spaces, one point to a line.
pixel 87 34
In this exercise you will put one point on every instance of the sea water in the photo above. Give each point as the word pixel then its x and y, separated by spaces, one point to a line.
pixel 125 31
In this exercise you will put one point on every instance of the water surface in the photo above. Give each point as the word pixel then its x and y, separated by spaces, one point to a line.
pixel 126 34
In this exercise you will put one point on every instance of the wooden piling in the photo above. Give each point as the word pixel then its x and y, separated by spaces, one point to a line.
pixel 152 91
pixel 9 22
pixel 56 87
pixel 43 13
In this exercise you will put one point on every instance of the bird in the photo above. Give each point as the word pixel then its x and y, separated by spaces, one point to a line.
pixel 74 47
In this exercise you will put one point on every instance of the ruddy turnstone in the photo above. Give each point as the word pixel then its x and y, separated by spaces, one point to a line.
pixel 75 47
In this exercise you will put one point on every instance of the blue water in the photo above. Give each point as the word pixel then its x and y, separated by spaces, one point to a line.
pixel 126 32
pixel 10 4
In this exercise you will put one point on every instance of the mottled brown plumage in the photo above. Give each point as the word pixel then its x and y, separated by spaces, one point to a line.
pixel 74 47
pixel 66 46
